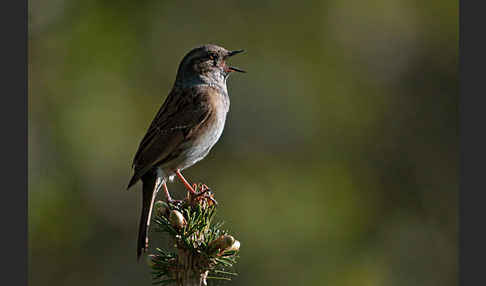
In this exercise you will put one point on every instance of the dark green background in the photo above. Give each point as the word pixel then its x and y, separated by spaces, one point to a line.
pixel 338 164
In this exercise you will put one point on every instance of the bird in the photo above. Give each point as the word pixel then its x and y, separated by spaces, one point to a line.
pixel 186 127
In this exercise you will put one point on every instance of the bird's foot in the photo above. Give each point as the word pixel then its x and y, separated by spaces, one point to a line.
pixel 204 193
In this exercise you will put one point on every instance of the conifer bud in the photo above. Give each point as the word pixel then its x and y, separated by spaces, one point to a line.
pixel 234 247
pixel 160 208
pixel 177 220
pixel 221 243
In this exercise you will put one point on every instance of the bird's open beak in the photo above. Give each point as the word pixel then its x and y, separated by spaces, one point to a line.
pixel 232 53
pixel 236 69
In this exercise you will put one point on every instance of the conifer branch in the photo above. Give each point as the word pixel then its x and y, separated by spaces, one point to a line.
pixel 200 249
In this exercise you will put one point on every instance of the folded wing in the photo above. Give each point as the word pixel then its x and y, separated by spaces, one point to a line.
pixel 183 112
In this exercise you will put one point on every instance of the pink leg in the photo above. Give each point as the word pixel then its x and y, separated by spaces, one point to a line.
pixel 184 181
pixel 166 191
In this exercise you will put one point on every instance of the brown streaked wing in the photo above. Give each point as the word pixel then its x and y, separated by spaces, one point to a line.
pixel 183 111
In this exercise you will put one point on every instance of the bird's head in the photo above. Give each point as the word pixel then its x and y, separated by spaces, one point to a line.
pixel 206 63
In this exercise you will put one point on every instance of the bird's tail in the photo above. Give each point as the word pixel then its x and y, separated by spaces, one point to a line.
pixel 149 194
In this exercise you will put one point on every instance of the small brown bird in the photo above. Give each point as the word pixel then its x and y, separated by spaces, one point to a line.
pixel 186 127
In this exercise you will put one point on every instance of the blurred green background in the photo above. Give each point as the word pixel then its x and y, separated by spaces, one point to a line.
pixel 338 164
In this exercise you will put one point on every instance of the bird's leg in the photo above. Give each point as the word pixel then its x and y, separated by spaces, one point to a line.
pixel 204 189
pixel 160 182
pixel 169 199
pixel 166 191
pixel 184 181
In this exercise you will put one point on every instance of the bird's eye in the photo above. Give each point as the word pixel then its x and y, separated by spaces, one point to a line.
pixel 212 57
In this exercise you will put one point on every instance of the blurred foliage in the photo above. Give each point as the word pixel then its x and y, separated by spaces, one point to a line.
pixel 338 164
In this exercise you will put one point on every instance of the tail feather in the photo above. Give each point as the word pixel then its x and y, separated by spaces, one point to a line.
pixel 133 180
pixel 148 198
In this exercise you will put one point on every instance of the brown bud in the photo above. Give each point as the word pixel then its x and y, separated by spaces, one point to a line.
pixel 234 247
pixel 221 243
pixel 177 220
pixel 160 208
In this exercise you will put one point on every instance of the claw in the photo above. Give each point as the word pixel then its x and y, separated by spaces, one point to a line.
pixel 206 192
